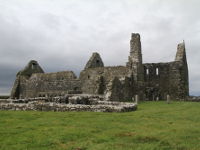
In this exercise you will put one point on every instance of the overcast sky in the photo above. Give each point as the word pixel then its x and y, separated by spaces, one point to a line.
pixel 62 34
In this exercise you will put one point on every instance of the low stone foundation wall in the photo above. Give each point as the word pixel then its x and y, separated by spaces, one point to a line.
pixel 67 107
pixel 67 103
pixel 193 98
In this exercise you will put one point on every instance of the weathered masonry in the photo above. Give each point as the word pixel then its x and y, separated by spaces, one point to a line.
pixel 148 81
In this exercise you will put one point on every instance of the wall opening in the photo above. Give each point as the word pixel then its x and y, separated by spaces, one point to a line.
pixel 33 66
pixel 88 77
pixel 147 71
pixel 101 85
pixel 97 62
pixel 157 71
pixel 75 88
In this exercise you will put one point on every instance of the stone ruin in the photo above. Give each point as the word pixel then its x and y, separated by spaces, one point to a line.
pixel 69 102
pixel 112 84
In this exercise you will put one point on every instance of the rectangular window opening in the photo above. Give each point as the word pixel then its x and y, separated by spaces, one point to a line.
pixel 33 66
pixel 147 71
pixel 157 71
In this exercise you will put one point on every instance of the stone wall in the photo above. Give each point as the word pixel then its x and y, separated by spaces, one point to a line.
pixel 179 78
pixel 156 78
pixel 193 98
pixel 120 89
pixel 68 102
pixel 52 84
pixel 45 84
pixel 162 79
pixel 95 80
pixel 179 86
pixel 67 107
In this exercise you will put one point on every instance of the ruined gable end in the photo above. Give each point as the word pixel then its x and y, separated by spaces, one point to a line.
pixel 180 73
pixel 22 76
pixel 94 61
pixel 31 67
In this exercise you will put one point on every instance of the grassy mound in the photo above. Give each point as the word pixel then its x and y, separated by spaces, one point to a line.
pixel 154 126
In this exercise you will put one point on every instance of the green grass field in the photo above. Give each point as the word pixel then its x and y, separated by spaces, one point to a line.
pixel 154 126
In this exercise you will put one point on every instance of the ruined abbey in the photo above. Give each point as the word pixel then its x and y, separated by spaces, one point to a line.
pixel 147 81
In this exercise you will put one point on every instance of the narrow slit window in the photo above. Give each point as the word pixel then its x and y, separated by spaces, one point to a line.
pixel 157 71
pixel 147 71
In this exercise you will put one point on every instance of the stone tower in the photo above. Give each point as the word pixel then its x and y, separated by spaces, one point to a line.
pixel 136 69
pixel 183 87
pixel 181 54
pixel 135 58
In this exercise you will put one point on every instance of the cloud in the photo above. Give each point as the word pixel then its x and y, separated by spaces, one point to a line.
pixel 61 35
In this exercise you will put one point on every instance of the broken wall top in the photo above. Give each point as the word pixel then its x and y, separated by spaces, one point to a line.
pixel 94 61
pixel 64 75
pixel 181 53
pixel 32 67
